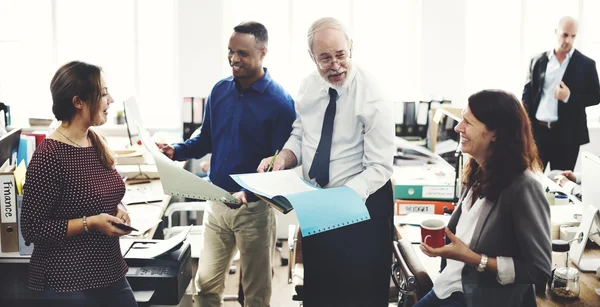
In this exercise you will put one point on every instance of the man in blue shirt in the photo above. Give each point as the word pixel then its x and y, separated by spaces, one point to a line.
pixel 248 116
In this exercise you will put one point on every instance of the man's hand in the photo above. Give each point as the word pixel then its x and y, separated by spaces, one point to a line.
pixel 562 92
pixel 285 159
pixel 570 175
pixel 205 166
pixel 565 177
pixel 166 149
pixel 241 197
pixel 456 250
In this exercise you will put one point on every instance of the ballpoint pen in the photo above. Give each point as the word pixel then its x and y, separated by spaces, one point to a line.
pixel 272 161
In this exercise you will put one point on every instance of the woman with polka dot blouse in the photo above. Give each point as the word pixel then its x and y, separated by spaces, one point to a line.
pixel 71 199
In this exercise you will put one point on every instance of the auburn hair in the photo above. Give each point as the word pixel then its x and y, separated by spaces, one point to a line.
pixel 84 81
pixel 511 153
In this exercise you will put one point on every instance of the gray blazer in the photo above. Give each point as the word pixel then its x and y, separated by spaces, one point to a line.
pixel 517 225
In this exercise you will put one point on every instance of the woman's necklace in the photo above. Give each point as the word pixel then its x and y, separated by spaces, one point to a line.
pixel 57 129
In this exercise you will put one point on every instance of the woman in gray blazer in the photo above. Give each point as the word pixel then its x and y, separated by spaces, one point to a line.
pixel 498 239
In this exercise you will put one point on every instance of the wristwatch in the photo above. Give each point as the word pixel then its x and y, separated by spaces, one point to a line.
pixel 483 263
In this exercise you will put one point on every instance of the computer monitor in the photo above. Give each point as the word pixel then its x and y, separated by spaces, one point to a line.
pixel 590 194
pixel 590 209
pixel 446 139
pixel 133 119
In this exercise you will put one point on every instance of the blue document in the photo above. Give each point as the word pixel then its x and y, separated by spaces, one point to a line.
pixel 317 209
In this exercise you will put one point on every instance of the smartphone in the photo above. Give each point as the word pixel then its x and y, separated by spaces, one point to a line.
pixel 125 227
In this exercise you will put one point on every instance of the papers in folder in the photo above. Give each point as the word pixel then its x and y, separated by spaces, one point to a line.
pixel 318 210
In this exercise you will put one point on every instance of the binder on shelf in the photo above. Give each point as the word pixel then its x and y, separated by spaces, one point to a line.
pixel 406 206
pixel 399 117
pixel 318 210
pixel 422 119
pixel 410 121
pixel 9 233
pixel 24 248
pixel 193 111
pixel 424 192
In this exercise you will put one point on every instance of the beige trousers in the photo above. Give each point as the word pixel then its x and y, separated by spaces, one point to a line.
pixel 252 230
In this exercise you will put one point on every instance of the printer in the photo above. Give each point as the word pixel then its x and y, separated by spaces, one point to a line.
pixel 160 280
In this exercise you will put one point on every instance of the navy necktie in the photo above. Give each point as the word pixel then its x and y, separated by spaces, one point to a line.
pixel 320 165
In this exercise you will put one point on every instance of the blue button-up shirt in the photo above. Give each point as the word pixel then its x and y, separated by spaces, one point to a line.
pixel 240 128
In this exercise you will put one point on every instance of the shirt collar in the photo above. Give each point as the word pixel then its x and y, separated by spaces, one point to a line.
pixel 261 84
pixel 569 55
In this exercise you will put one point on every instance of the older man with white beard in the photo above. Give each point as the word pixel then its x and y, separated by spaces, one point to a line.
pixel 343 135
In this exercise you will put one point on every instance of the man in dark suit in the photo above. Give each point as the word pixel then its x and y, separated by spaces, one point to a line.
pixel 560 85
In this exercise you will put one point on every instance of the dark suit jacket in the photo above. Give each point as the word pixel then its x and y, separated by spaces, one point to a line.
pixel 517 225
pixel 581 77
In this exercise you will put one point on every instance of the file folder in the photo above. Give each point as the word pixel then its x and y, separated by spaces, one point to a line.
pixel 9 233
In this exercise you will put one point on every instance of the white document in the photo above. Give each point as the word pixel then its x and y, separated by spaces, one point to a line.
pixel 272 184
pixel 154 250
pixel 178 181
pixel 143 217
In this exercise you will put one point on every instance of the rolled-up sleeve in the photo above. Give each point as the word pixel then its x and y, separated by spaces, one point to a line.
pixel 378 158
pixel 506 270
pixel 41 195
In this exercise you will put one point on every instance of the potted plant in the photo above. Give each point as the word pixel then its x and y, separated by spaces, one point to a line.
pixel 120 119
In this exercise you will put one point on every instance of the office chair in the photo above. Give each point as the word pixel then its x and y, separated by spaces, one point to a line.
pixel 408 274
pixel 295 264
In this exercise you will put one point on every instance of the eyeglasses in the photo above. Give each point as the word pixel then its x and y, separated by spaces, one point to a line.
pixel 327 62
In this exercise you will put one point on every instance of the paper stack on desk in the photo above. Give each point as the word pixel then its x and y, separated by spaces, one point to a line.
pixel 318 210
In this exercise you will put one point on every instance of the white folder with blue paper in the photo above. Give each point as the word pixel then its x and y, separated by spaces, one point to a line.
pixel 317 209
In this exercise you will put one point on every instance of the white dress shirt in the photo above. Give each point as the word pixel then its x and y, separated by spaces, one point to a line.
pixel 548 109
pixel 450 280
pixel 362 147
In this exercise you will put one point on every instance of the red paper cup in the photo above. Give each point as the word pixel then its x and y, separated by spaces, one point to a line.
pixel 433 233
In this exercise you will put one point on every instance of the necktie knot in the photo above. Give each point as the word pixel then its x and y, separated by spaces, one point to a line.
pixel 332 93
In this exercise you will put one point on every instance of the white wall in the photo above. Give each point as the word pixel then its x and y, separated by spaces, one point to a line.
pixel 202 48
pixel 443 50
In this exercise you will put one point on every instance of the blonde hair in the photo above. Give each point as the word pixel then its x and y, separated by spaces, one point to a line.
pixel 324 23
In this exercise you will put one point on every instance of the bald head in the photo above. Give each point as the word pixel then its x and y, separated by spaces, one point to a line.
pixel 567 21
pixel 565 34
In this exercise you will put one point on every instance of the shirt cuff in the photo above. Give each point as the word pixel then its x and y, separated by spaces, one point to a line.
pixel 506 270
pixel 177 155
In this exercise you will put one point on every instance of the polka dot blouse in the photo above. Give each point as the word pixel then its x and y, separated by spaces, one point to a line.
pixel 66 182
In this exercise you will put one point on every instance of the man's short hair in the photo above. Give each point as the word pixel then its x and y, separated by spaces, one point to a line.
pixel 254 28
pixel 325 23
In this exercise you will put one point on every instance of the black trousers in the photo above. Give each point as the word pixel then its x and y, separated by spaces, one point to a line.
pixel 350 266
pixel 561 155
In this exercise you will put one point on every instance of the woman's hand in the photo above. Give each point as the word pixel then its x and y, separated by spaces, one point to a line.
pixel 123 216
pixel 456 250
pixel 104 223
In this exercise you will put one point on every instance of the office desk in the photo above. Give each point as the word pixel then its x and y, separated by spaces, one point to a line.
pixel 587 281
pixel 156 187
